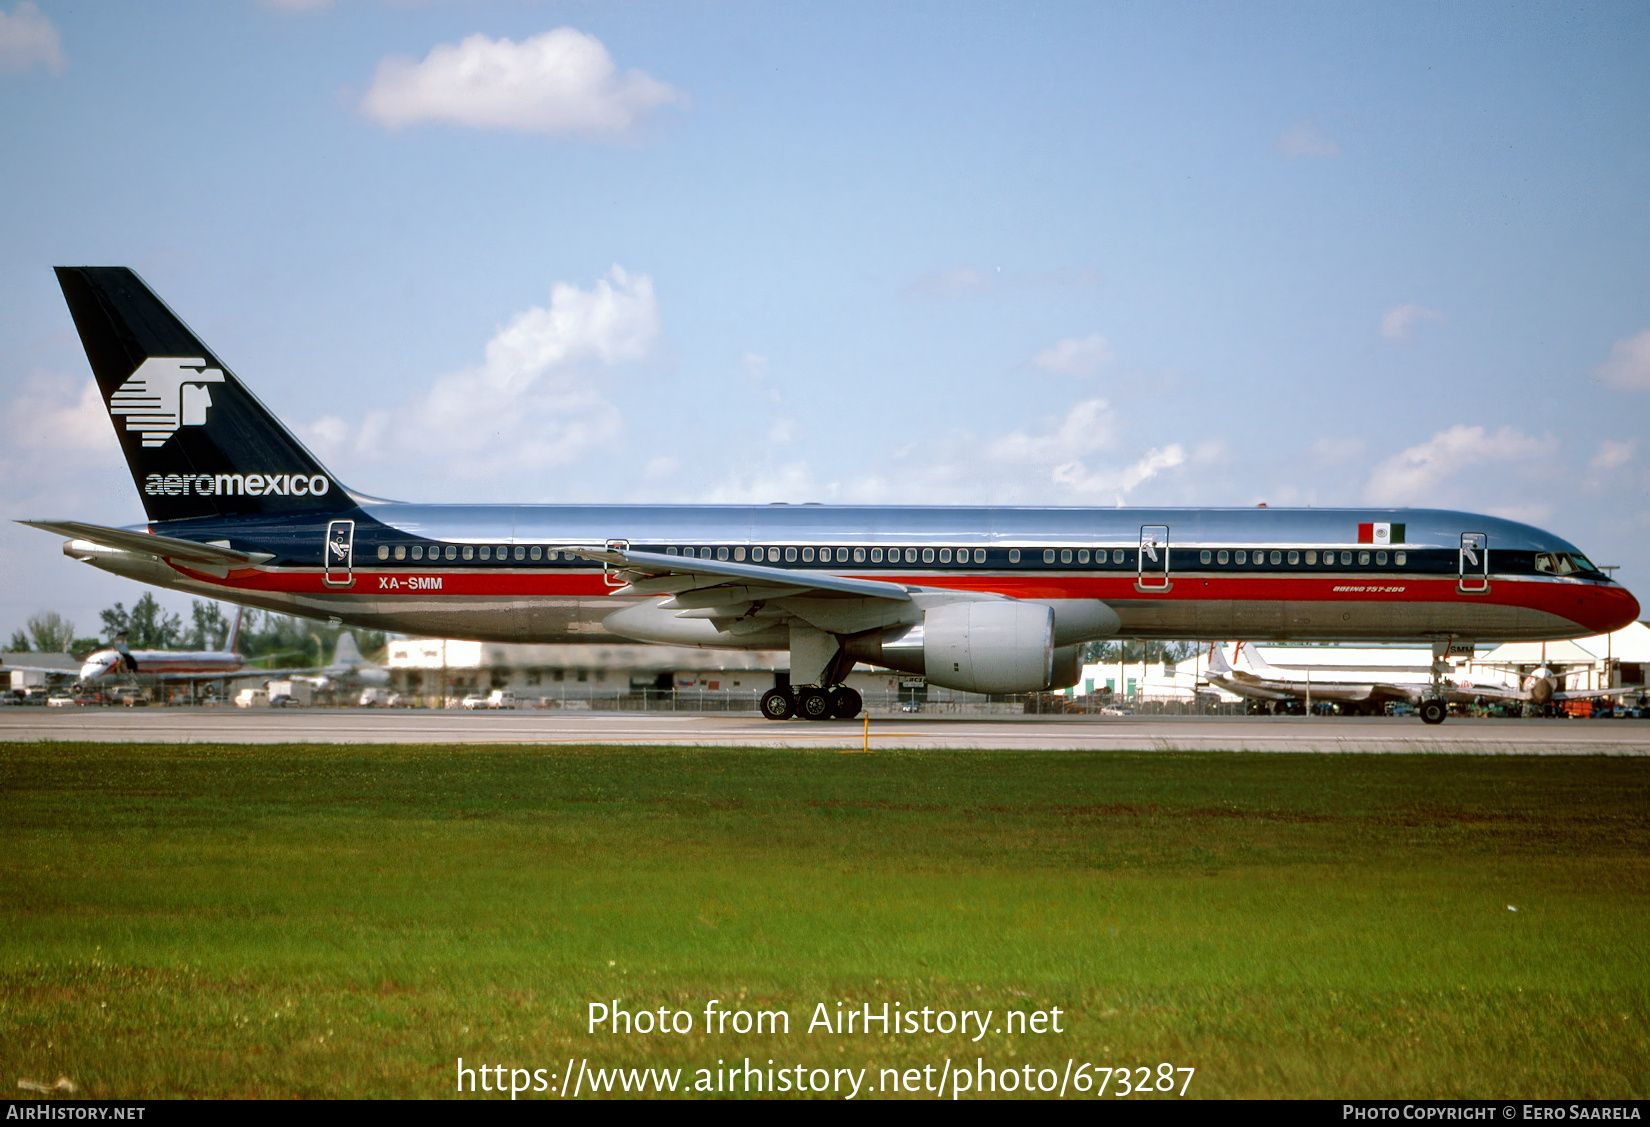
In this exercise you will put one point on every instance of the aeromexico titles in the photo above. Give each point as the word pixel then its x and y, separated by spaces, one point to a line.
pixel 994 600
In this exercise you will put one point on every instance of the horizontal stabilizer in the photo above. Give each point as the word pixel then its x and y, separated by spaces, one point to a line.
pixel 148 544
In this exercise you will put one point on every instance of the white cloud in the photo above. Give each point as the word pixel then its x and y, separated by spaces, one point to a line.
pixel 537 402
pixel 561 83
pixel 1398 323
pixel 959 281
pixel 1073 357
pixel 1417 475
pixel 28 37
pixel 1629 365
pixel 1612 454
pixel 1119 481
pixel 1303 139
pixel 43 418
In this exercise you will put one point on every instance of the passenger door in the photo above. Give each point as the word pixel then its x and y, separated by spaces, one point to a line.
pixel 1154 558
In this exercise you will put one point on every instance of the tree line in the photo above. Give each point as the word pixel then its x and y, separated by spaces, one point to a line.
pixel 149 626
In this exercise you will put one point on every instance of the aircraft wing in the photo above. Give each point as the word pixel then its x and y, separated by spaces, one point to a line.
pixel 651 573
pixel 148 544
pixel 7 667
pixel 1585 694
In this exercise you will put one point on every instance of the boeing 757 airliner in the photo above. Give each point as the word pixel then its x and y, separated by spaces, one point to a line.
pixel 989 600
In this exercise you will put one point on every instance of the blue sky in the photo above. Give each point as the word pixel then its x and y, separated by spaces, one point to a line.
pixel 1069 254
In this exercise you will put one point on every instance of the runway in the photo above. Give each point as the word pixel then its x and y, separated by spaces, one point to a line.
pixel 1361 735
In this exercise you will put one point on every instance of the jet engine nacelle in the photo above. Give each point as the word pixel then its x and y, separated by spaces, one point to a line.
pixel 989 646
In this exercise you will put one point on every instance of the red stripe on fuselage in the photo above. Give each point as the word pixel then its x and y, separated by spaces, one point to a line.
pixel 1598 607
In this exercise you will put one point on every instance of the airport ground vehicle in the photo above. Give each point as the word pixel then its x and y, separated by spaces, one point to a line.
pixel 498 698
pixel 991 600
pixel 252 698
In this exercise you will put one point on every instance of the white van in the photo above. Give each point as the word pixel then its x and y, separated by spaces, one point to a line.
pixel 252 698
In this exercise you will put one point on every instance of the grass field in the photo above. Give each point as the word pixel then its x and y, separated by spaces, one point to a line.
pixel 347 921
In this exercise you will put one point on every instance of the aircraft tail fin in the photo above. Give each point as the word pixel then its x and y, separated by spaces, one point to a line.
pixel 1252 656
pixel 1218 665
pixel 347 653
pixel 199 443
pixel 235 632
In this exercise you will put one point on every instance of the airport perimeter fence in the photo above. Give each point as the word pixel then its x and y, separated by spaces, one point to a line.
pixel 883 703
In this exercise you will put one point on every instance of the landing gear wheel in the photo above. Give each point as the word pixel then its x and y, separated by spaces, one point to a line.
pixel 813 704
pixel 845 703
pixel 777 704
pixel 1433 711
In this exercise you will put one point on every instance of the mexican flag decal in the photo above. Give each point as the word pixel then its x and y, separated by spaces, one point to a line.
pixel 1380 534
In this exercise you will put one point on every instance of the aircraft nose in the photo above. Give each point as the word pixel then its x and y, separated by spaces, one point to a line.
pixel 1609 609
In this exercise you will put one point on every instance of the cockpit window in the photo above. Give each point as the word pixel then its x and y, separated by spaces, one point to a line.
pixel 1545 562
pixel 1582 562
pixel 1565 566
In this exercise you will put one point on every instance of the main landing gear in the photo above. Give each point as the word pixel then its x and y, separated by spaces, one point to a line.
pixel 1433 711
pixel 812 703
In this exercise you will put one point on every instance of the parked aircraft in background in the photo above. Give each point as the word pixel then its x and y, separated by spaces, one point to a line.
pixel 348 668
pixel 990 600
pixel 1256 679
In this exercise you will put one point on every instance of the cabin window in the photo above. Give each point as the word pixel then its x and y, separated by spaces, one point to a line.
pixel 721 553
pixel 451 552
pixel 503 552
pixel 1399 558
pixel 1277 558
pixel 1346 557
pixel 486 553
pixel 807 555
pixel 1363 558
pixel 468 552
pixel 1014 555
pixel 1065 555
pixel 876 555
pixel 1311 557
pixel 672 552
pixel 790 555
pixel 910 555
pixel 757 554
pixel 1117 556
pixel 418 551
pixel 945 555
pixel 1241 557
pixel 738 555
pixel 859 555
pixel 383 551
pixel 1222 556
pixel 1048 555
pixel 535 551
pixel 1380 557
pixel 1294 557
pixel 520 553
pixel 1205 556
pixel 842 555
pixel 552 554
pixel 928 555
